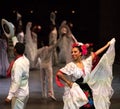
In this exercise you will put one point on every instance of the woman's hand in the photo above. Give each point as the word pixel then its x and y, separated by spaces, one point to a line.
pixel 102 49
pixel 70 84
pixel 108 43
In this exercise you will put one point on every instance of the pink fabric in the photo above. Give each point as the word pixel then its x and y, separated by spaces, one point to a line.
pixel 84 50
pixel 95 61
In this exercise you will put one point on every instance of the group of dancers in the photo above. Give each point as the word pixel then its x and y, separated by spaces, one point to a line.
pixel 89 84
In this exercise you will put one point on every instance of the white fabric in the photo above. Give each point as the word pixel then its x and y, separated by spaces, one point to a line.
pixel 74 97
pixel 78 98
pixel 101 79
pixel 4 62
pixel 14 40
pixel 19 103
pixel 75 72
pixel 31 44
pixel 21 37
pixel 19 78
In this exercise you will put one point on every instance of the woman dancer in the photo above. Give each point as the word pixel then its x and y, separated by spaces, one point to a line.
pixel 99 80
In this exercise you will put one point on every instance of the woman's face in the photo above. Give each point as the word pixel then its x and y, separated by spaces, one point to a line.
pixel 76 54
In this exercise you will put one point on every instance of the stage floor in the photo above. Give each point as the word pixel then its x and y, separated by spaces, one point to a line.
pixel 35 100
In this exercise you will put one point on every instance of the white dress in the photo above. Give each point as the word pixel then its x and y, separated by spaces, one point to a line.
pixel 100 80
pixel 74 97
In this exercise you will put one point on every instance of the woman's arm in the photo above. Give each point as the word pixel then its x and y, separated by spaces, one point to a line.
pixel 62 77
pixel 99 51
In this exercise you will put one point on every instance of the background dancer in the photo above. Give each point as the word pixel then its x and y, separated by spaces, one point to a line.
pixel 65 45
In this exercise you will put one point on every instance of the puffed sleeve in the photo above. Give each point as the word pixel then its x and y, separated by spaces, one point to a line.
pixel 68 69
pixel 73 70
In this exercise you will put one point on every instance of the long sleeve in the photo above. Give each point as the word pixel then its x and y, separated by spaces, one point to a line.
pixel 15 82
pixel 19 78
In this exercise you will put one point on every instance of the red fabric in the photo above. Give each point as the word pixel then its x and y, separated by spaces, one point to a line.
pixel 84 49
pixel 58 82
pixel 9 69
pixel 95 61
pixel 11 65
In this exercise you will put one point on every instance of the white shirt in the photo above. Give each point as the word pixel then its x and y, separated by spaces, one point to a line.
pixel 19 78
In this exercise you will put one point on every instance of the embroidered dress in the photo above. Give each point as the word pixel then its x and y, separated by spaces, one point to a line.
pixel 88 92
pixel 99 80
pixel 70 100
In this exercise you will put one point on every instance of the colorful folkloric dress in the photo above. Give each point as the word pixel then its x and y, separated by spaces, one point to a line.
pixel 99 82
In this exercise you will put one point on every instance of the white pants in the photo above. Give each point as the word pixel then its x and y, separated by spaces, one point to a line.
pixel 19 103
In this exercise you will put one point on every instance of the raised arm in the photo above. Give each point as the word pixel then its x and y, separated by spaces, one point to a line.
pixel 99 51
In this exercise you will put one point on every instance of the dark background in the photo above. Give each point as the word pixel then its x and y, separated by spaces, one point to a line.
pixel 95 21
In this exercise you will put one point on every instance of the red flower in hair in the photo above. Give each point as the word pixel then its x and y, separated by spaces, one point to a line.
pixel 75 44
pixel 83 47
pixel 84 50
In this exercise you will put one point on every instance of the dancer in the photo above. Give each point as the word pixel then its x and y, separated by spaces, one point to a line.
pixel 18 70
pixel 4 62
pixel 30 44
pixel 98 80
pixel 53 37
pixel 19 88
pixel 19 30
pixel 44 56
pixel 65 45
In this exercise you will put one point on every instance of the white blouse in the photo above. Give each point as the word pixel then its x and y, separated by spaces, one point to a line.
pixel 99 80
pixel 75 72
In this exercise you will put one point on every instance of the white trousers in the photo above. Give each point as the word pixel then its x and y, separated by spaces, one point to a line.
pixel 19 103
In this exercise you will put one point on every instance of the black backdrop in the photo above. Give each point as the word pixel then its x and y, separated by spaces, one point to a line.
pixel 95 21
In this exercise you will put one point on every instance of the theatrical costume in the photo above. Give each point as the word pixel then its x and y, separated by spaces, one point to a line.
pixel 99 80
pixel 44 55
pixel 67 40
pixel 19 29
pixel 44 59
pixel 30 44
pixel 19 89
pixel 53 38
pixel 4 63
pixel 52 41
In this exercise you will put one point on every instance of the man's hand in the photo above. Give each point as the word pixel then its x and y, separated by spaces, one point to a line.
pixel 7 100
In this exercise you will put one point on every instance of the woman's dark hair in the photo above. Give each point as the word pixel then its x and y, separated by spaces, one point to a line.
pixel 20 48
pixel 79 48
pixel 86 49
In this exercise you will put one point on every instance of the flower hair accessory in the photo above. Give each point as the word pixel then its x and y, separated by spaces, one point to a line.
pixel 77 44
pixel 83 47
